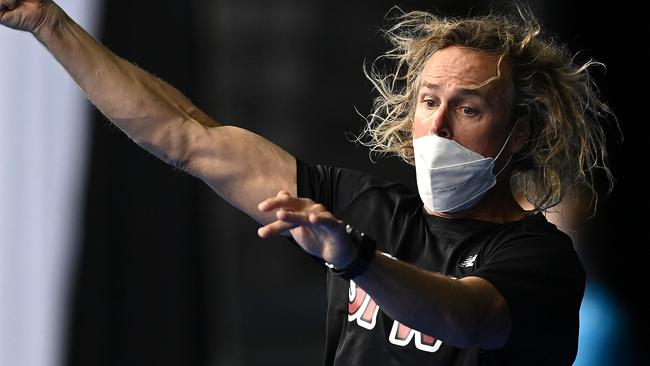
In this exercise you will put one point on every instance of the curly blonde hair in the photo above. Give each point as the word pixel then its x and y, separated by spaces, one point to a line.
pixel 566 143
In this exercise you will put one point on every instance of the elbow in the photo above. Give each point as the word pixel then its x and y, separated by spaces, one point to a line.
pixel 181 165
pixel 483 323
pixel 476 335
pixel 488 328
pixel 466 333
pixel 460 328
pixel 177 144
pixel 189 148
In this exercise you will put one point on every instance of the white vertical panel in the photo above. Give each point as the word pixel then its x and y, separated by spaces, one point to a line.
pixel 43 147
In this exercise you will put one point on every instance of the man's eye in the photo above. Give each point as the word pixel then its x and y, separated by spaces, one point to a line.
pixel 468 111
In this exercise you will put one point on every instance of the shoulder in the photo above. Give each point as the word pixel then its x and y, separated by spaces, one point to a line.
pixel 534 250
pixel 342 187
pixel 533 230
pixel 532 259
pixel 535 268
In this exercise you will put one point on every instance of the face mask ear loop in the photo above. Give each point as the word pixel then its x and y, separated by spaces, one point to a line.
pixel 507 139
pixel 504 166
pixel 503 147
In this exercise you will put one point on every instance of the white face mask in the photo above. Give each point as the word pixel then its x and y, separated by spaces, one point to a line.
pixel 451 177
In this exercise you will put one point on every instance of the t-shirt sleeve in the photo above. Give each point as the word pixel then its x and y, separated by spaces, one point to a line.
pixel 336 188
pixel 541 278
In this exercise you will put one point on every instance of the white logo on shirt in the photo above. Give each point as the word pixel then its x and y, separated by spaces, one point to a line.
pixel 469 261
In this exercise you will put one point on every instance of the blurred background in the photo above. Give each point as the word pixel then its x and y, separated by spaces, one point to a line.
pixel 110 257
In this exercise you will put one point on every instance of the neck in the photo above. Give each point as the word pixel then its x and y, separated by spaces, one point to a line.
pixel 498 206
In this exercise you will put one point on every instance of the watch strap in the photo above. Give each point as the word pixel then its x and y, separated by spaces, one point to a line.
pixel 366 248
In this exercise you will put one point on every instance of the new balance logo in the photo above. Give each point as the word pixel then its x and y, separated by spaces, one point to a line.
pixel 469 261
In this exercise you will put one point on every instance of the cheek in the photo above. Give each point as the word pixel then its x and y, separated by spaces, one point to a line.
pixel 486 143
pixel 420 123
pixel 473 136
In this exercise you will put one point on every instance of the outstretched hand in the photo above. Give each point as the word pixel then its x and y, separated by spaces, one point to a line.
pixel 313 227
pixel 25 15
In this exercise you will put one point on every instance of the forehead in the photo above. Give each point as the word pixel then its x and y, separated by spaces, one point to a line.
pixel 456 67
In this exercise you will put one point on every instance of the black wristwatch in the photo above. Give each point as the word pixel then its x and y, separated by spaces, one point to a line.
pixel 366 248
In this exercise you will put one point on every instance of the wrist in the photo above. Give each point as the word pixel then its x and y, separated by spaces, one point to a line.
pixel 50 24
pixel 364 249
pixel 348 260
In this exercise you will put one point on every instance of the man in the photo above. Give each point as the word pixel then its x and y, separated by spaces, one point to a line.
pixel 457 275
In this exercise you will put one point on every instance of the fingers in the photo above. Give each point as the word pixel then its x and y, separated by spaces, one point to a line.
pixel 293 212
pixel 307 218
pixel 323 218
pixel 275 228
pixel 293 216
pixel 286 220
pixel 285 201
pixel 282 200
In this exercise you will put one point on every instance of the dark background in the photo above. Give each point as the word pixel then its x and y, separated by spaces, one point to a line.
pixel 169 274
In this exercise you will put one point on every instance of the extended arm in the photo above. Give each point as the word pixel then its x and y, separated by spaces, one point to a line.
pixel 468 312
pixel 239 165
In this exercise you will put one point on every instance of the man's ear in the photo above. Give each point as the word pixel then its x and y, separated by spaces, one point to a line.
pixel 520 135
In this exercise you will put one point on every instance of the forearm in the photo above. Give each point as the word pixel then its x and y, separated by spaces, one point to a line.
pixel 461 312
pixel 151 112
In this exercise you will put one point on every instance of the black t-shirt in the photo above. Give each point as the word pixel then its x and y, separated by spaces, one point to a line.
pixel 531 263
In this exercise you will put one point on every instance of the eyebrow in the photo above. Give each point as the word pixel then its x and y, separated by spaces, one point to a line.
pixel 462 91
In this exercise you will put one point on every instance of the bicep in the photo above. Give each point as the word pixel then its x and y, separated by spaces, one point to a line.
pixel 242 167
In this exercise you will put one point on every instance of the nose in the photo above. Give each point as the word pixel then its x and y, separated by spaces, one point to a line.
pixel 440 122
